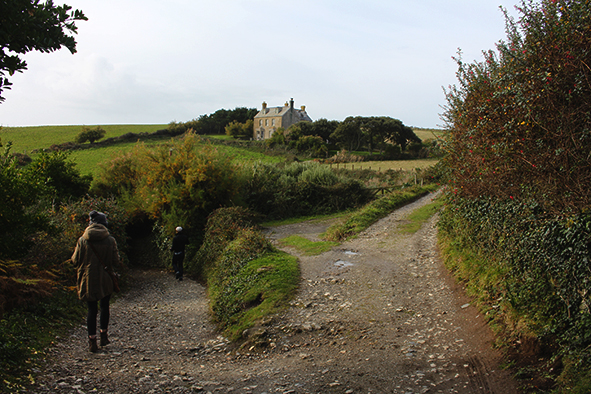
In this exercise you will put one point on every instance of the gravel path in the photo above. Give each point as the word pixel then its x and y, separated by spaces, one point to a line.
pixel 377 314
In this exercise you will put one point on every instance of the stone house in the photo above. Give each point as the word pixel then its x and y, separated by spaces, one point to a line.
pixel 268 120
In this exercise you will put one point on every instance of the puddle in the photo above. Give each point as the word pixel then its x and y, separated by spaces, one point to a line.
pixel 351 253
pixel 343 264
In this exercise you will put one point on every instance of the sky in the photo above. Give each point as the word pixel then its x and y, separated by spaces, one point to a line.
pixel 154 61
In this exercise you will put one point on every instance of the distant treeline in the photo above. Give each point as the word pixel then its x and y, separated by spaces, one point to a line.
pixel 214 123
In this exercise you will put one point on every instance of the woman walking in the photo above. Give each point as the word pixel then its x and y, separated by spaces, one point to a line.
pixel 95 254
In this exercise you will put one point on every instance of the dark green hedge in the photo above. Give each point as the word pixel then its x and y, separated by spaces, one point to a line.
pixel 545 261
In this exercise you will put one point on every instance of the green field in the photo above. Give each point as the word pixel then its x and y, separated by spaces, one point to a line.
pixel 429 134
pixel 25 139
pixel 88 160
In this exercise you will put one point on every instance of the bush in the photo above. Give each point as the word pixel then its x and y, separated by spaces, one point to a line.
pixel 519 120
pixel 60 175
pixel 241 131
pixel 319 175
pixel 314 146
pixel 178 128
pixel 298 189
pixel 90 134
pixel 18 198
pixel 346 157
pixel 520 176
pixel 177 185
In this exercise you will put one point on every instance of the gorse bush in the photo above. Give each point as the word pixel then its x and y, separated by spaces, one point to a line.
pixel 178 184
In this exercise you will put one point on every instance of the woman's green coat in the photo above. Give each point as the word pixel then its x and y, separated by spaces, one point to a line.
pixel 93 282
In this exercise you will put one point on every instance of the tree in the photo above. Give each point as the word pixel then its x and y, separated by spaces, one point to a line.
pixel 27 25
pixel 313 145
pixel 90 135
pixel 520 121
pixel 348 134
pixel 395 132
pixel 324 128
pixel 358 131
pixel 278 138
pixel 241 131
pixel 216 122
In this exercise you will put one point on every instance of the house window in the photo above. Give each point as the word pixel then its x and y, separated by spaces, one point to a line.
pixel 272 122
pixel 260 122
pixel 266 122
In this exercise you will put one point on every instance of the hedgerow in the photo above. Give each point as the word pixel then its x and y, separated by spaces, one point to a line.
pixel 519 179
pixel 533 269
pixel 299 189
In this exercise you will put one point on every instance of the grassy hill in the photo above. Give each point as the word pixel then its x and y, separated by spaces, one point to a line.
pixel 25 139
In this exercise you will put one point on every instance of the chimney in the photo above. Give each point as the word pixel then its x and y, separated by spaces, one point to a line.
pixel 303 108
pixel 291 103
pixel 264 105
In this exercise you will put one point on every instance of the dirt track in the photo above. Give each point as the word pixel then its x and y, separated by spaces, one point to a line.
pixel 378 314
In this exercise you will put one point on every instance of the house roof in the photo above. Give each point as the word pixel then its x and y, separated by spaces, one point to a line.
pixel 272 112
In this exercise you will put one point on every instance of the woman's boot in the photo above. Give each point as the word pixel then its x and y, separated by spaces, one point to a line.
pixel 92 346
pixel 104 338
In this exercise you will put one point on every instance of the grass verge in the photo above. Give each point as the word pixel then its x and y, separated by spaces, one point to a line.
pixel 307 247
pixel 483 280
pixel 247 278
pixel 374 211
pixel 261 288
pixel 418 217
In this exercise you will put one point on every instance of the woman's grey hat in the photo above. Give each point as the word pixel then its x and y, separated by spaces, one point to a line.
pixel 98 217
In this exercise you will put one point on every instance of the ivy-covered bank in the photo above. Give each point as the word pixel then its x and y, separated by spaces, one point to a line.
pixel 531 275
